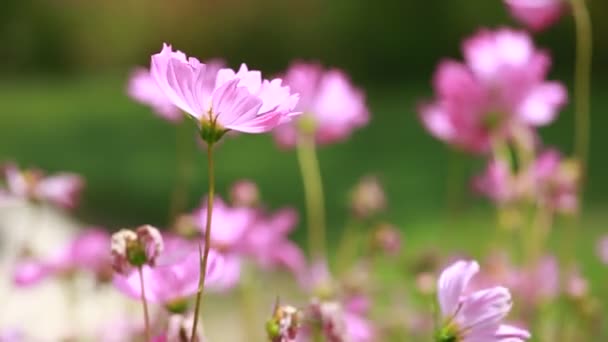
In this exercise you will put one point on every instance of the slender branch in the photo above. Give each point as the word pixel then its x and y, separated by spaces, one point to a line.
pixel 144 302
pixel 313 191
pixel 582 83
pixel 201 285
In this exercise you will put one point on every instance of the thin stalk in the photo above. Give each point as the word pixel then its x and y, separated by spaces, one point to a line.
pixel 313 191
pixel 179 195
pixel 247 297
pixel 201 284
pixel 347 247
pixel 454 183
pixel 582 82
pixel 144 303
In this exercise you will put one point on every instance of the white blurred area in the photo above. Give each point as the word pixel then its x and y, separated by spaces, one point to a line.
pixel 55 309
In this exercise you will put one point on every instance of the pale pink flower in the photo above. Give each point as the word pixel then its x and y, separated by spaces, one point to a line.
pixel 267 241
pixel 175 275
pixel 132 249
pixel 143 88
pixel 222 100
pixel 537 14
pixel 228 236
pixel 62 189
pixel 554 181
pixel 332 107
pixel 244 193
pixel 87 252
pixel 509 333
pixel 602 249
pixel 538 284
pixel 499 89
pixel 475 316
pixel 496 182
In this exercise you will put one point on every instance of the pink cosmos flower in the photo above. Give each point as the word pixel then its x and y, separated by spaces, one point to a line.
pixel 475 316
pixel 87 252
pixel 331 105
pixel 268 243
pixel 602 249
pixel 498 90
pixel 143 88
pixel 224 100
pixel 537 14
pixel 62 189
pixel 175 275
pixel 228 236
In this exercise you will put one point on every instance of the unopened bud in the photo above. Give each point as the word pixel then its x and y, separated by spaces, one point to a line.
pixel 387 238
pixel 134 249
pixel 368 199
pixel 284 324
pixel 245 193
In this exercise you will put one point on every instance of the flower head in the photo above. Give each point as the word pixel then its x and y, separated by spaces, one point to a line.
pixel 86 252
pixel 537 14
pixel 332 107
pixel 475 316
pixel 498 90
pixel 62 189
pixel 175 274
pixel 222 100
pixel 135 248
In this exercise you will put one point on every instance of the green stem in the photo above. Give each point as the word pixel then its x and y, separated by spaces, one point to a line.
pixel 313 190
pixel 144 302
pixel 248 304
pixel 454 183
pixel 179 196
pixel 201 284
pixel 582 82
pixel 347 248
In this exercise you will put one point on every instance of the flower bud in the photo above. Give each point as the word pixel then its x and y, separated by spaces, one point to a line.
pixel 245 193
pixel 135 249
pixel 284 324
pixel 387 239
pixel 367 198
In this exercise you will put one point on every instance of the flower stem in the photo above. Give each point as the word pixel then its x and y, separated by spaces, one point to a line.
pixel 454 181
pixel 313 191
pixel 205 256
pixel 247 298
pixel 179 196
pixel 582 82
pixel 144 302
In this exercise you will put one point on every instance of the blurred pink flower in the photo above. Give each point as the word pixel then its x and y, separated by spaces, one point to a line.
pixel 87 252
pixel 180 330
pixel 496 182
pixel 602 249
pixel 475 316
pixel 267 241
pixel 537 14
pixel 244 193
pixel 332 107
pixel 175 275
pixel 554 181
pixel 338 322
pixel 62 189
pixel 143 88
pixel 228 237
pixel 500 88
pixel 224 99
pixel 538 284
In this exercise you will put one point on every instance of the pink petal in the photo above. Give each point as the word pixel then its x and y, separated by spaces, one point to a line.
pixel 537 14
pixel 452 283
pixel 542 104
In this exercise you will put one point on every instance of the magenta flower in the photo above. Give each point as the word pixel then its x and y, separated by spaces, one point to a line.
pixel 475 316
pixel 554 181
pixel 175 275
pixel 62 189
pixel 496 182
pixel 332 107
pixel 268 243
pixel 499 90
pixel 537 14
pixel 87 252
pixel 602 249
pixel 222 100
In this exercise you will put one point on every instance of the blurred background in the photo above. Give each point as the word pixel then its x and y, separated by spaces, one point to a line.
pixel 63 104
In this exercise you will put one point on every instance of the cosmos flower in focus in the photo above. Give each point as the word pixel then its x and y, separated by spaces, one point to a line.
pixel 62 189
pixel 222 100
pixel 475 316
pixel 87 252
pixel 498 92
pixel 332 106
pixel 537 14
